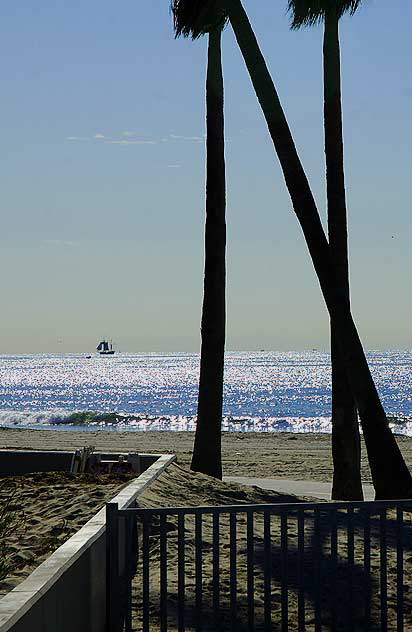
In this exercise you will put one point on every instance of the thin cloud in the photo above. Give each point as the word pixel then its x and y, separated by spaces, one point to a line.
pixel 61 243
pixel 193 139
pixel 123 141
pixel 176 166
pixel 130 138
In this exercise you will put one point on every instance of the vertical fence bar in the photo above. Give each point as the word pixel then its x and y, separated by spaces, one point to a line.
pixel 384 573
pixel 145 573
pixel 129 568
pixel 367 566
pixel 267 563
pixel 135 544
pixel 301 570
pixel 399 569
pixel 233 573
pixel 284 568
pixel 181 572
pixel 334 567
pixel 198 570
pixel 135 547
pixel 216 570
pixel 163 573
pixel 317 560
pixel 250 571
pixel 351 564
pixel 112 568
pixel 119 584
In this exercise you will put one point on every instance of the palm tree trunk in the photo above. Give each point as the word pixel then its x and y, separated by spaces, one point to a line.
pixel 346 453
pixel 207 456
pixel 391 477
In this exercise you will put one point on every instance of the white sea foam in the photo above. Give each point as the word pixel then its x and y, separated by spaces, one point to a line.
pixel 87 420
pixel 25 418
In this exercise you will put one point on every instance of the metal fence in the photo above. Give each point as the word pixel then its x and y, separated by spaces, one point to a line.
pixel 307 566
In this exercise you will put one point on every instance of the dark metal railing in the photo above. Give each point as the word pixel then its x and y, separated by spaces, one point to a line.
pixel 306 566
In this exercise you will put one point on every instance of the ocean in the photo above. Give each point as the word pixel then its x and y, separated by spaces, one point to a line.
pixel 264 391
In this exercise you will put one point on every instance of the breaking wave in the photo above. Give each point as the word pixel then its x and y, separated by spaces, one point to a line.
pixel 117 421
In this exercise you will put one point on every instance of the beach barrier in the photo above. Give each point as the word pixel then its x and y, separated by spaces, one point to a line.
pixel 18 462
pixel 67 592
pixel 307 566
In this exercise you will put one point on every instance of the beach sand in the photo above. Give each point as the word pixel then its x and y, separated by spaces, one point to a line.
pixel 270 455
pixel 179 487
pixel 49 508
pixel 55 509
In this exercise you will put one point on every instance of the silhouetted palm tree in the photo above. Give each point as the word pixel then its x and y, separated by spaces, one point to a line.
pixel 347 483
pixel 207 457
pixel 390 475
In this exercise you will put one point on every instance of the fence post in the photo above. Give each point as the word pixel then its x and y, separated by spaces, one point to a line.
pixel 112 568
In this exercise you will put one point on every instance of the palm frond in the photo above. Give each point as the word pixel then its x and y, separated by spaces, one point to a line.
pixel 312 12
pixel 194 18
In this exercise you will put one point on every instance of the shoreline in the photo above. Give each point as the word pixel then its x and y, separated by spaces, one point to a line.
pixel 294 456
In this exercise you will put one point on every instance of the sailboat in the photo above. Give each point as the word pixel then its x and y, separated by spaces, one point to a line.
pixel 105 348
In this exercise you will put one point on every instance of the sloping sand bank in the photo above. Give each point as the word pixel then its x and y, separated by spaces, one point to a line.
pixel 49 508
pixel 179 487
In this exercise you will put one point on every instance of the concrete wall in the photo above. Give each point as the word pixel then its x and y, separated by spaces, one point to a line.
pixel 15 462
pixel 24 461
pixel 67 592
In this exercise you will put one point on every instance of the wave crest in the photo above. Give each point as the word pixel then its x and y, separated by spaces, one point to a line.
pixel 90 420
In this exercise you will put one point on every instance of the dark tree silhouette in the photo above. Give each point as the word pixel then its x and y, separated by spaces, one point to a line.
pixel 207 457
pixel 346 452
pixel 391 477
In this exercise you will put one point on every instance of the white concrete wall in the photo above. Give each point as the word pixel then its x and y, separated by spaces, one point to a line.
pixel 67 592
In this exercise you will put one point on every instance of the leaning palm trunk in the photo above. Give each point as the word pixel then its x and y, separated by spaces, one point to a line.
pixel 346 454
pixel 207 447
pixel 391 477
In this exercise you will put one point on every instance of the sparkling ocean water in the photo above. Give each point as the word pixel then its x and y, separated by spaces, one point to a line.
pixel 266 391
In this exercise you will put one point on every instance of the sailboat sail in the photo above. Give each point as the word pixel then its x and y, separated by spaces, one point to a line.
pixel 105 348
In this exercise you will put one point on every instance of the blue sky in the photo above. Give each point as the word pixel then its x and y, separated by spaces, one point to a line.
pixel 103 179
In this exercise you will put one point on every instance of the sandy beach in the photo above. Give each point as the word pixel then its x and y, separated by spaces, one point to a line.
pixel 178 487
pixel 271 455
pixel 67 501
pixel 49 508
